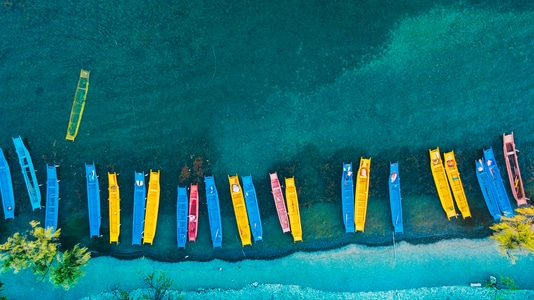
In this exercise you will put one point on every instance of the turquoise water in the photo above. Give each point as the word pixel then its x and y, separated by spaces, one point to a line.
pixel 253 88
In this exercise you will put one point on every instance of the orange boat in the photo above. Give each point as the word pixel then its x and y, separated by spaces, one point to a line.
pixel 514 175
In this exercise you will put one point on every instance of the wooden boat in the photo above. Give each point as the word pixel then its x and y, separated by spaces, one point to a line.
pixel 362 193
pixel 240 210
pixel 181 217
pixel 395 199
pixel 279 202
pixel 293 209
pixel 52 198
pixel 28 172
pixel 114 208
pixel 139 208
pixel 498 185
pixel 152 207
pixel 253 210
pixel 442 185
pixel 78 105
pixel 192 217
pixel 93 200
pixel 488 190
pixel 6 188
pixel 347 196
pixel 455 182
pixel 512 165
pixel 214 211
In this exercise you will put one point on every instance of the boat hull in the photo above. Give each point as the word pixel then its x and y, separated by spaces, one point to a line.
pixel 52 198
pixel 6 188
pixel 181 217
pixel 253 210
pixel 455 182
pixel 362 194
pixel 93 200
pixel 192 217
pixel 293 209
pixel 279 202
pixel 498 186
pixel 442 185
pixel 28 172
pixel 347 197
pixel 78 105
pixel 486 186
pixel 139 208
pixel 240 210
pixel 214 211
pixel 512 166
pixel 395 199
pixel 152 208
pixel 114 208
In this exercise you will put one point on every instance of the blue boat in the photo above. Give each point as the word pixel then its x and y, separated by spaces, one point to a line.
pixel 93 200
pixel 6 188
pixel 395 199
pixel 347 197
pixel 52 198
pixel 253 210
pixel 488 191
pixel 181 216
pixel 214 211
pixel 498 185
pixel 139 208
pixel 28 172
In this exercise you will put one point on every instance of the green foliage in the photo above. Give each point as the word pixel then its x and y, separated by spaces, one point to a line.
pixel 515 234
pixel 502 287
pixel 159 284
pixel 69 267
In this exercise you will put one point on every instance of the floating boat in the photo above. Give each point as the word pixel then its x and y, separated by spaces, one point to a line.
pixel 455 182
pixel 514 174
pixel 52 198
pixel 93 200
pixel 395 199
pixel 28 172
pixel 181 217
pixel 442 185
pixel 214 211
pixel 347 196
pixel 253 210
pixel 152 207
pixel 240 210
pixel 362 193
pixel 78 105
pixel 279 202
pixel 6 188
pixel 498 186
pixel 114 208
pixel 488 190
pixel 293 209
pixel 193 213
pixel 139 208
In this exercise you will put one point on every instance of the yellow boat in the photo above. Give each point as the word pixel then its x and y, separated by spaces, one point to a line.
pixel 442 185
pixel 152 206
pixel 293 209
pixel 240 210
pixel 362 193
pixel 78 105
pixel 456 184
pixel 114 209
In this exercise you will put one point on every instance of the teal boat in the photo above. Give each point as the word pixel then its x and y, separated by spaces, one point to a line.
pixel 181 217
pixel 253 210
pixel 347 197
pixel 395 199
pixel 93 200
pixel 214 211
pixel 6 188
pixel 28 172
pixel 139 208
pixel 52 197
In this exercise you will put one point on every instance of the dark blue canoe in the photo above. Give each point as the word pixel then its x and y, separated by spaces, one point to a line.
pixel 395 199
pixel 93 200
pixel 347 197
pixel 52 197
pixel 486 185
pixel 214 211
pixel 6 188
pixel 139 208
pixel 181 217
pixel 498 185
pixel 253 210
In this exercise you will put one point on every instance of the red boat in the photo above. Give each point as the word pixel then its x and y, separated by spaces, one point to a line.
pixel 279 202
pixel 193 213
pixel 514 175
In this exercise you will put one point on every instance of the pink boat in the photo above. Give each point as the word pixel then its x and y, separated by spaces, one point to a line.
pixel 514 175
pixel 193 213
pixel 279 202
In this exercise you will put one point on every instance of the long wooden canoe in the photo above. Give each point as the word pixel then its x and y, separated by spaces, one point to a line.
pixel 457 187
pixel 78 105
pixel 240 210
pixel 192 217
pixel 442 185
pixel 347 197
pixel 362 193
pixel 139 208
pixel 93 200
pixel 498 184
pixel 181 217
pixel 253 210
pixel 293 209
pixel 279 202
pixel 488 190
pixel 395 199
pixel 512 165
pixel 52 198
pixel 152 207
pixel 214 211
pixel 114 208
pixel 28 172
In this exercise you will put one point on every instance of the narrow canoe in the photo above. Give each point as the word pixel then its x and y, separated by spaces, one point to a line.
pixel 6 188
pixel 293 209
pixel 78 105
pixel 442 185
pixel 347 196
pixel 214 211
pixel 93 200
pixel 498 185
pixel 240 210
pixel 253 210
pixel 512 165
pixel 395 199
pixel 193 213
pixel 52 198
pixel 451 167
pixel 362 193
pixel 279 202
pixel 28 172
pixel 114 208
pixel 488 190
pixel 181 217
pixel 152 208
pixel 139 208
